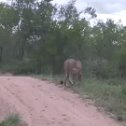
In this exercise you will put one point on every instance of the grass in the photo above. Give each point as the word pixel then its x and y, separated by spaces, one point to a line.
pixel 109 94
pixel 12 120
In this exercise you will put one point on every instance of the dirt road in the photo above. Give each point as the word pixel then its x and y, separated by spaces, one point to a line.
pixel 43 104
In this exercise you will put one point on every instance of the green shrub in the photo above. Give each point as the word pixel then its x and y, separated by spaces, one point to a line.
pixel 11 120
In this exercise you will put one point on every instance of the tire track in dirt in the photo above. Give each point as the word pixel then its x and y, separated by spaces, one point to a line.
pixel 26 107
pixel 16 99
pixel 44 104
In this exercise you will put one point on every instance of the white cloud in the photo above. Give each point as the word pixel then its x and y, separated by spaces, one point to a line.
pixel 101 6
pixel 60 1
pixel 114 9
pixel 115 16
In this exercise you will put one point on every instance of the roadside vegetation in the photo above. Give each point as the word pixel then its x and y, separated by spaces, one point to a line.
pixel 108 95
pixel 12 120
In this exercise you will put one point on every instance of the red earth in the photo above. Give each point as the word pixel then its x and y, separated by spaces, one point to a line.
pixel 41 103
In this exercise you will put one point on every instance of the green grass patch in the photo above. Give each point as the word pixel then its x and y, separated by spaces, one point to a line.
pixel 11 120
pixel 108 94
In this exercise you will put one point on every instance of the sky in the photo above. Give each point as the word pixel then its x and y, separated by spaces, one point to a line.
pixel 105 9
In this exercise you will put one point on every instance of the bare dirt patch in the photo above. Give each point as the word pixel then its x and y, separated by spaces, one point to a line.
pixel 43 104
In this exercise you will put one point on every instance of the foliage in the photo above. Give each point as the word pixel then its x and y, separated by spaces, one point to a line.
pixel 36 36
pixel 11 120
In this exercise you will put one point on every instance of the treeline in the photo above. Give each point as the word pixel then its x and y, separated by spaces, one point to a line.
pixel 36 37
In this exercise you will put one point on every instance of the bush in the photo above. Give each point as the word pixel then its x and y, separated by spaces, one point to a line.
pixel 11 120
pixel 19 67
pixel 103 69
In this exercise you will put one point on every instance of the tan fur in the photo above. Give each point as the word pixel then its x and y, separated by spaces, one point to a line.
pixel 72 70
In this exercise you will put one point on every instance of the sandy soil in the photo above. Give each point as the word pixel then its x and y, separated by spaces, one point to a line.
pixel 43 104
